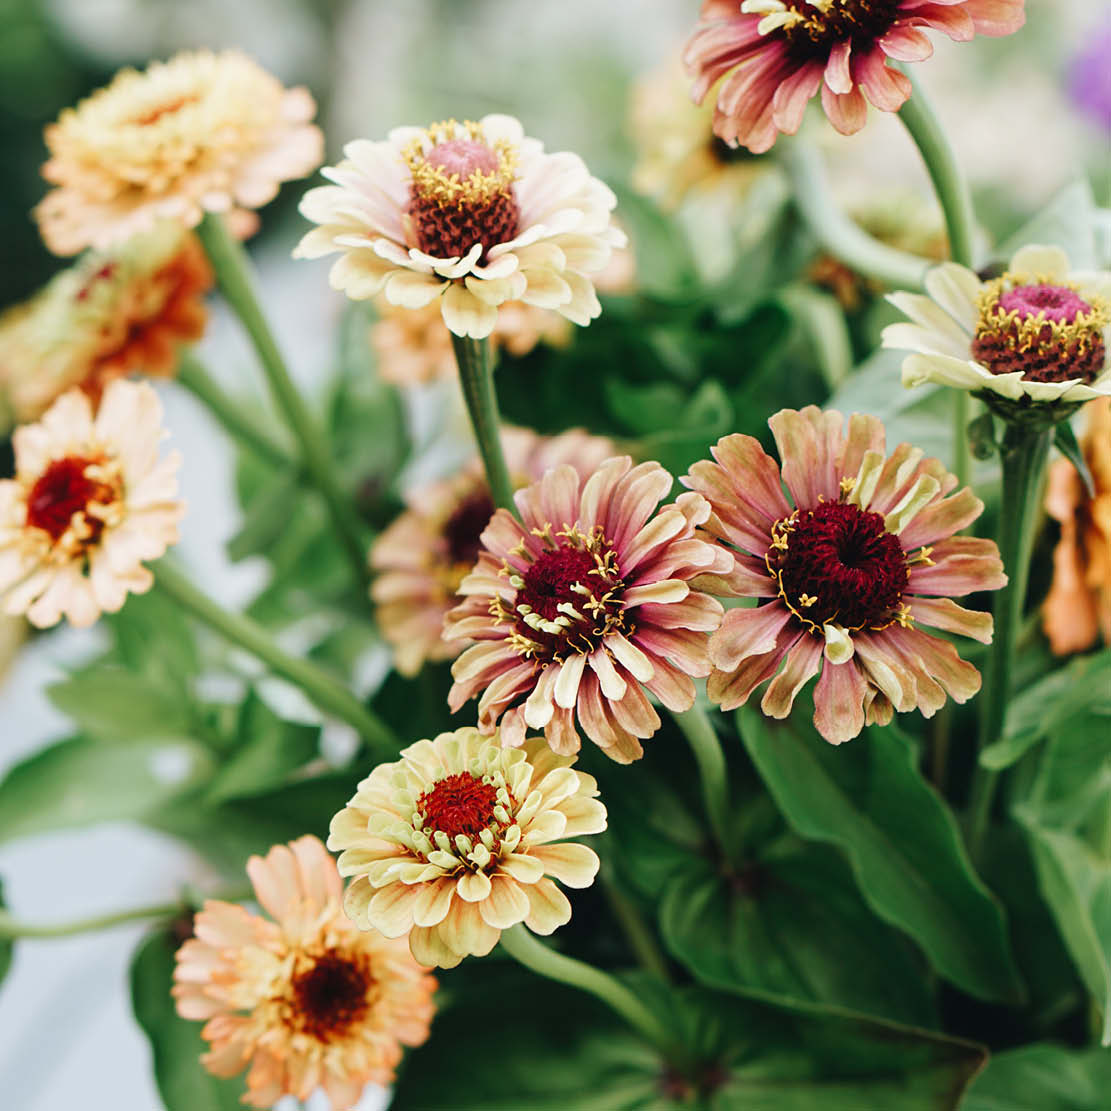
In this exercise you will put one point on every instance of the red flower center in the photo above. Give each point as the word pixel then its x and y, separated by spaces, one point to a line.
pixel 331 996
pixel 551 579
pixel 466 524
pixel 459 804
pixel 65 490
pixel 837 563
pixel 862 22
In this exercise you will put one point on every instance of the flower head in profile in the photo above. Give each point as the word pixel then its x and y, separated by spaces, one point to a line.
pixel 306 1000
pixel 89 503
pixel 471 215
pixel 1040 332
pixel 585 604
pixel 123 311
pixel 423 556
pixel 201 132
pixel 773 56
pixel 457 841
pixel 845 571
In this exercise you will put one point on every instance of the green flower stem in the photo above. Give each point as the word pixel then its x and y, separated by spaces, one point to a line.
pixel 233 273
pixel 524 947
pixel 12 928
pixel 636 930
pixel 1025 451
pixel 712 771
pixel 475 358
pixel 325 692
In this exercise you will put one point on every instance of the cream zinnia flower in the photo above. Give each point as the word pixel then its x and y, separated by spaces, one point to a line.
pixel 455 843
pixel 201 132
pixel 472 214
pixel 89 503
pixel 306 1000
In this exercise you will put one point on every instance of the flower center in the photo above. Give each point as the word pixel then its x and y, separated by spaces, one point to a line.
pixel 459 804
pixel 464 527
pixel 1047 333
pixel 837 563
pixel 156 113
pixel 813 28
pixel 74 493
pixel 331 996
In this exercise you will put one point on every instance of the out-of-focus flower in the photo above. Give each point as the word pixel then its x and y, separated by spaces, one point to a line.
pixel 428 550
pixel 13 632
pixel 457 840
pixel 583 604
pixel 113 313
pixel 472 215
pixel 89 503
pixel 772 57
pixel 306 1000
pixel 1090 77
pixel 866 553
pixel 201 132
pixel 1078 606
pixel 1040 331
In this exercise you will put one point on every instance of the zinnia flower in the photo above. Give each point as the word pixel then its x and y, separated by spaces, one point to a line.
pixel 774 55
pixel 89 503
pixel 845 574
pixel 1038 333
pixel 306 1000
pixel 201 132
pixel 114 313
pixel 1078 607
pixel 455 843
pixel 471 214
pixel 583 604
pixel 431 547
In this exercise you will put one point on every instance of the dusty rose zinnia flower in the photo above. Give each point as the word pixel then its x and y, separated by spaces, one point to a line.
pixel 467 214
pixel 201 132
pixel 457 840
pixel 583 604
pixel 307 1000
pixel 862 553
pixel 429 549
pixel 89 503
pixel 774 55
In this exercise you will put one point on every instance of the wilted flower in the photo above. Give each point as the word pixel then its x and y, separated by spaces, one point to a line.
pixel 201 132
pixel 583 604
pixel 455 843
pixel 429 549
pixel 306 1000
pixel 472 215
pixel 845 574
pixel 1039 332
pixel 89 503
pixel 772 57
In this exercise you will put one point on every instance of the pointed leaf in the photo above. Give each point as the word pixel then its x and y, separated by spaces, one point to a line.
pixel 1042 1078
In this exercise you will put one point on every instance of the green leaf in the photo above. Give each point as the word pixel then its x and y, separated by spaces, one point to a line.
pixel 1064 440
pixel 869 799
pixel 7 945
pixel 115 704
pixel 176 1044
pixel 265 517
pixel 1042 1078
pixel 1068 221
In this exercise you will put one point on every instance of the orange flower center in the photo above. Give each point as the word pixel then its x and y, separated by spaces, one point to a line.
pixel 153 115
pixel 331 996
pixel 72 493
pixel 459 804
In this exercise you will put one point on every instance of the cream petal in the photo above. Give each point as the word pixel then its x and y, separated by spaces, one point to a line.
pixel 571 864
pixel 957 290
pixel 507 904
pixel 548 907
pixel 473 887
pixel 1043 263
pixel 466 315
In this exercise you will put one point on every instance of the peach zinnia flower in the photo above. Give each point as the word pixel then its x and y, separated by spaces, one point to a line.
pixel 845 574
pixel 470 215
pixel 774 55
pixel 582 605
pixel 431 547
pixel 455 843
pixel 306 1000
pixel 89 503
pixel 201 132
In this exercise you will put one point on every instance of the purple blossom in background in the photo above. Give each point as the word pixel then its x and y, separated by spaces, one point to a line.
pixel 1090 79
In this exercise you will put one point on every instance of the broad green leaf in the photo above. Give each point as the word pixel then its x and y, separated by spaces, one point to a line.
pixel 266 517
pixel 1043 1078
pixel 154 637
pixel 869 799
pixel 115 704
pixel 1068 221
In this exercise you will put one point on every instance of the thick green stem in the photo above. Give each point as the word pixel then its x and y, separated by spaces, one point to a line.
pixel 1025 451
pixel 11 928
pixel 475 358
pixel 636 930
pixel 713 773
pixel 233 273
pixel 325 692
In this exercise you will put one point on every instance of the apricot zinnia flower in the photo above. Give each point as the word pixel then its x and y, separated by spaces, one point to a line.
pixel 89 503
pixel 429 549
pixel 865 554
pixel 471 214
pixel 201 132
pixel 774 56
pixel 307 1000
pixel 455 843
pixel 584 603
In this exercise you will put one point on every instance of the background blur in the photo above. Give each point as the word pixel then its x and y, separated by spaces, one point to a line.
pixel 564 67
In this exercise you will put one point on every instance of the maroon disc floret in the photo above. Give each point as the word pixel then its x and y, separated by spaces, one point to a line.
pixel 62 490
pixel 331 996
pixel 465 526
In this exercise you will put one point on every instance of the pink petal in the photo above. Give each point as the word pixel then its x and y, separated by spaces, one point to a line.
pixel 801 665
pixel 941 519
pixel 961 565
pixel 996 17
pixel 905 44
pixel 944 613
pixel 886 88
pixel 747 632
pixel 810 445
pixel 848 112
pixel 838 77
pixel 839 702
pixel 792 97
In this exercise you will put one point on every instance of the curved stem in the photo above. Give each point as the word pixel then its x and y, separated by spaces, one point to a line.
pixel 233 273
pixel 475 358
pixel 11 927
pixel 325 692
pixel 713 773
pixel 636 930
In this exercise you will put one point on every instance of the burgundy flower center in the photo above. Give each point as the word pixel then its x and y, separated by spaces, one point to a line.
pixel 63 496
pixel 549 581
pixel 331 996
pixel 459 804
pixel 838 564
pixel 466 524
pixel 817 29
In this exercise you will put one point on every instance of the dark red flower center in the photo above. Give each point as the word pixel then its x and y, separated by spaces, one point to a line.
pixel 458 804
pixel 331 996
pixel 861 22
pixel 466 524
pixel 64 490
pixel 552 579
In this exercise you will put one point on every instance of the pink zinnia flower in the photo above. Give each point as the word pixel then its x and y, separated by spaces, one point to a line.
pixel 584 604
pixel 778 53
pixel 845 574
